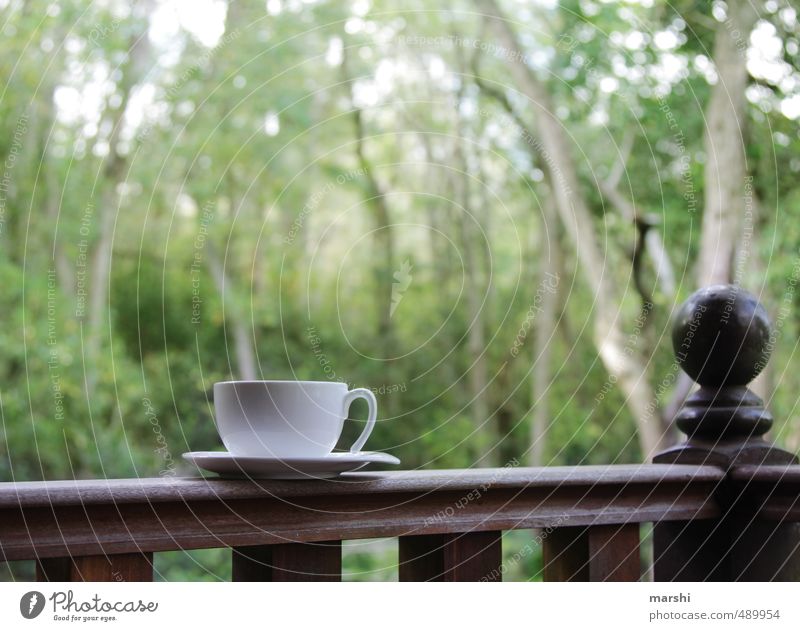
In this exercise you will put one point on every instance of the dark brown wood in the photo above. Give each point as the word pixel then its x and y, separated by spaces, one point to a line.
pixel 116 517
pixel 97 568
pixel 251 564
pixel 53 570
pixel 614 553
pixel 320 561
pixel 565 554
pixel 158 490
pixel 685 551
pixel 721 339
pixel 785 475
pixel 472 556
pixel 469 556
pixel 421 558
pixel 597 553
pixel 763 550
pixel 771 491
pixel 307 561
pixel 736 548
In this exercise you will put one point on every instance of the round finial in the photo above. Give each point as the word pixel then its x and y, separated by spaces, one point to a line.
pixel 721 336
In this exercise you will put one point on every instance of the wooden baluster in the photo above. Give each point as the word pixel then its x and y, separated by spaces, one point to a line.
pixel 421 558
pixel 137 566
pixel 251 564
pixel 614 553
pixel 598 553
pixel 55 570
pixel 470 556
pixel 320 561
pixel 565 553
pixel 473 556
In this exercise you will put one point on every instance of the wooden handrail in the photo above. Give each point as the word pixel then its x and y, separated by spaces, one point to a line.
pixel 119 516
pixel 437 512
pixel 786 477
pixel 97 529
pixel 138 490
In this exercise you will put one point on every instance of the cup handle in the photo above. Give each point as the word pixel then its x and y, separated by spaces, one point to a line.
pixel 372 403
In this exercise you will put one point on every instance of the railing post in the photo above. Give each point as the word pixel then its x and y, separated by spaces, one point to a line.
pixel 136 566
pixel 320 561
pixel 455 557
pixel 721 337
pixel 594 553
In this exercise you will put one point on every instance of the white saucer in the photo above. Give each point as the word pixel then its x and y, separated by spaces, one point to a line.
pixel 329 466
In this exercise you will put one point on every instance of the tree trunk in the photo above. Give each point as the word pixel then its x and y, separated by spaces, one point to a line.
pixel 64 271
pixel 106 212
pixel 383 250
pixel 545 326
pixel 383 244
pixel 246 363
pixel 44 118
pixel 725 169
pixel 754 270
pixel 628 367
pixel 98 298
pixel 477 372
pixel 477 283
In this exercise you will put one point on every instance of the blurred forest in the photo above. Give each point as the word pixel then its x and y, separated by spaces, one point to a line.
pixel 487 211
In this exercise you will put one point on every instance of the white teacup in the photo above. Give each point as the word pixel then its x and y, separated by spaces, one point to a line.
pixel 287 419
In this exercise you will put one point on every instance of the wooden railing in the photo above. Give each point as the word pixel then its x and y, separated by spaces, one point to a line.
pixel 448 523
pixel 733 519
